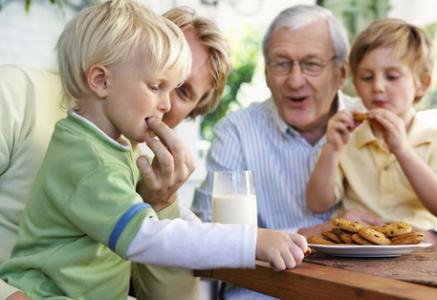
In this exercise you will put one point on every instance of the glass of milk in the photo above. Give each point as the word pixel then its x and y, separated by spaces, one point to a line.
pixel 233 198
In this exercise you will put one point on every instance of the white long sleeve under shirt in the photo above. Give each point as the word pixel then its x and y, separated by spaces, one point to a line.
pixel 194 245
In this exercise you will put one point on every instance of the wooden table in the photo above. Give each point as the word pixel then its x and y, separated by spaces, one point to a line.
pixel 412 276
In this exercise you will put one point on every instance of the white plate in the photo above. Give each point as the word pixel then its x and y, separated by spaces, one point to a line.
pixel 367 250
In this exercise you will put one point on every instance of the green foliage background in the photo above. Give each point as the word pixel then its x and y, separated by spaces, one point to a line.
pixel 245 51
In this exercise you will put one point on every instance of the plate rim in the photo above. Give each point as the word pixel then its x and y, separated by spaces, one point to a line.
pixel 356 247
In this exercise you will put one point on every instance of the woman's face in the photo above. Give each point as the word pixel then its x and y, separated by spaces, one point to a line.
pixel 186 97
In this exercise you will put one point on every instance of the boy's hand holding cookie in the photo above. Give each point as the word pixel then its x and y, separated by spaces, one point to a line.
pixel 360 117
pixel 281 250
pixel 170 168
pixel 392 129
pixel 339 128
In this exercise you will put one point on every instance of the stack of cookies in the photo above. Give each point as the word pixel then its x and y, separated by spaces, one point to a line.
pixel 354 233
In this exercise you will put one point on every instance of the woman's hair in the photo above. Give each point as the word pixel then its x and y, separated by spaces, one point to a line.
pixel 119 31
pixel 409 43
pixel 298 16
pixel 218 49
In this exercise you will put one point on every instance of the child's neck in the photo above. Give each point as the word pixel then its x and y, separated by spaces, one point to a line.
pixel 93 111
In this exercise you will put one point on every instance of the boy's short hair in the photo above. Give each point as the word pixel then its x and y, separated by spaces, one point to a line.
pixel 218 49
pixel 408 41
pixel 113 32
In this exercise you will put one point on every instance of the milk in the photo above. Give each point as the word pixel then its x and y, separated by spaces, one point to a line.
pixel 234 209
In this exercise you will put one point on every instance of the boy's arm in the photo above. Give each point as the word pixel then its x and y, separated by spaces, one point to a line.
pixel 204 245
pixel 156 282
pixel 422 178
pixel 18 296
pixel 320 191
pixel 193 245
pixel 9 292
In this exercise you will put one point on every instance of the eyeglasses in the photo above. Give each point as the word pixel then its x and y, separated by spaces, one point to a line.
pixel 310 66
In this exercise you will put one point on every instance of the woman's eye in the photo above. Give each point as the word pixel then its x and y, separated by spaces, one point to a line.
pixel 183 93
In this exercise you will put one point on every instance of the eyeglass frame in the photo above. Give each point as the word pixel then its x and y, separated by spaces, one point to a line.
pixel 291 63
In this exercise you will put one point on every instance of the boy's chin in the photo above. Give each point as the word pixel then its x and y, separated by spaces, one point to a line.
pixel 136 139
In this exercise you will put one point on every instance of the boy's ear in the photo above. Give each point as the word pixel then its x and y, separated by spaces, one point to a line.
pixel 423 85
pixel 97 78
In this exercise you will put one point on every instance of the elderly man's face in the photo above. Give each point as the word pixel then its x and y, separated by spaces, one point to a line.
pixel 186 97
pixel 303 95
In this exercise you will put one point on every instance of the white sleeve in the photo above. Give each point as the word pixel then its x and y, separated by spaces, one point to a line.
pixel 194 245
pixel 6 290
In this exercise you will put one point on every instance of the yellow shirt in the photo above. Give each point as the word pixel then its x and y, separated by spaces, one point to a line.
pixel 370 178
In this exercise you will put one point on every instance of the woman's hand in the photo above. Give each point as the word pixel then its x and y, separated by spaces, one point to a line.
pixel 169 169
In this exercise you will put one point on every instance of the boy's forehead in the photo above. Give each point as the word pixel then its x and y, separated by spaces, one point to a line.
pixel 169 77
pixel 393 54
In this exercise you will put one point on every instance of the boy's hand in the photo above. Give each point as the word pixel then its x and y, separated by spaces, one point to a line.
pixel 18 296
pixel 281 250
pixel 170 168
pixel 392 129
pixel 339 128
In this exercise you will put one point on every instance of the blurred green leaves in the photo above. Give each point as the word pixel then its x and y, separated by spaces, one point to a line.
pixel 74 4
pixel 356 14
pixel 245 47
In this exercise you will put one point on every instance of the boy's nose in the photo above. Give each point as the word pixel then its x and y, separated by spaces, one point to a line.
pixel 164 103
pixel 378 85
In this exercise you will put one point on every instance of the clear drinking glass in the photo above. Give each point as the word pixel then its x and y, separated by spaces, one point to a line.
pixel 234 198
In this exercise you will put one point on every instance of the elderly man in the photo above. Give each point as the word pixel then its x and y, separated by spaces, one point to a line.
pixel 305 51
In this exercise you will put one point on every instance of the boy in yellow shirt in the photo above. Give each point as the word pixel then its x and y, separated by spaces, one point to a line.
pixel 387 164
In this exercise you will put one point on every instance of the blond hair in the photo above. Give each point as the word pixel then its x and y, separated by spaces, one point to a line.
pixel 218 49
pixel 408 41
pixel 118 32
